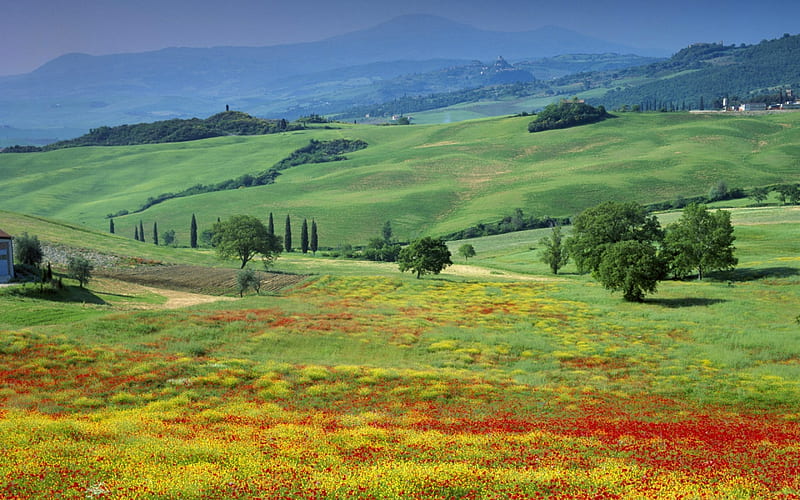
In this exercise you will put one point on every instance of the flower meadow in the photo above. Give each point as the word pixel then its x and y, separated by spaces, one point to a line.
pixel 379 387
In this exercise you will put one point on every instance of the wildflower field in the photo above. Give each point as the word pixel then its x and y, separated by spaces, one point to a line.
pixel 393 387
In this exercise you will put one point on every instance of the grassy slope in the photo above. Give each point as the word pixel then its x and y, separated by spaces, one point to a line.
pixel 427 179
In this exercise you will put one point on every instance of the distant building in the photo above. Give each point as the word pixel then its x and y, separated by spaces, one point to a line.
pixel 6 257
pixel 753 106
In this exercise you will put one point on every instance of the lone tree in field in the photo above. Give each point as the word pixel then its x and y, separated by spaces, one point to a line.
pixel 314 239
pixel 425 255
pixel 244 237
pixel 28 250
pixel 555 252
pixel 617 243
pixel 304 236
pixel 700 241
pixel 466 250
pixel 111 226
pixel 193 233
pixel 246 279
pixel 80 269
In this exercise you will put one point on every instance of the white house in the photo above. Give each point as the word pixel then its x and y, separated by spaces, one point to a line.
pixel 6 257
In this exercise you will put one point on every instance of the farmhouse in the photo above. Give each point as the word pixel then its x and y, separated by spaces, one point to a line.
pixel 6 257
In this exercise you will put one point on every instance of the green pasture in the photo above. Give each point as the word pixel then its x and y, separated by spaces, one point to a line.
pixel 426 179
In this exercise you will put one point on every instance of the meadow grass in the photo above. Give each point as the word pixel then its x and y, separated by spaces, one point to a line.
pixel 427 179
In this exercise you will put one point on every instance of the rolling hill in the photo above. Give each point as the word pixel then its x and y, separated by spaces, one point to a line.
pixel 431 179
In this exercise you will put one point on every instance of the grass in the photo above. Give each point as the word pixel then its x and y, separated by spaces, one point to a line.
pixel 426 179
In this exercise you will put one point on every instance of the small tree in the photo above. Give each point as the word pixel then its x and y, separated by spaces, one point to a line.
pixel 193 232
pixel 246 279
pixel 136 233
pixel 632 267
pixel 287 234
pixel 387 231
pixel 314 239
pixel 169 237
pixel 425 255
pixel 271 225
pixel 304 236
pixel 759 194
pixel 466 250
pixel 111 226
pixel 155 233
pixel 28 249
pixel 141 231
pixel 700 240
pixel 80 269
pixel 555 252
pixel 244 237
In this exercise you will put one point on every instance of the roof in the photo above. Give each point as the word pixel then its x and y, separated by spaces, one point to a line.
pixel 4 235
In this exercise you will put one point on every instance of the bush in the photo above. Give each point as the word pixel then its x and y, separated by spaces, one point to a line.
pixel 28 250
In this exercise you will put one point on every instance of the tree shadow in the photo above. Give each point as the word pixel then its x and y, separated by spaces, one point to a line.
pixel 684 302
pixel 753 274
pixel 66 294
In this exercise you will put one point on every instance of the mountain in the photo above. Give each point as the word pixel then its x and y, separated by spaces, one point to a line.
pixel 79 91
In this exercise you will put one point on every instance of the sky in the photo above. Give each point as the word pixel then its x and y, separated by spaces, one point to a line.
pixel 33 32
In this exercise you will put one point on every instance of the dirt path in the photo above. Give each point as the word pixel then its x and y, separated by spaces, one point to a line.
pixel 482 272
pixel 176 299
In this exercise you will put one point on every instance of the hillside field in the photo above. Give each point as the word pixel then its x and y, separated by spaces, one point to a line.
pixel 426 179
pixel 494 379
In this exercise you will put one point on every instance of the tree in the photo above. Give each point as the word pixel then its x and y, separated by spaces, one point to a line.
pixel 111 226
pixel 141 231
pixel 555 252
pixel 718 192
pixel 700 240
pixel 136 233
pixel 287 234
pixel 193 233
pixel 632 267
pixel 28 250
pixel 155 233
pixel 425 255
pixel 790 192
pixel 271 225
pixel 304 236
pixel 466 250
pixel 759 194
pixel 246 279
pixel 169 237
pixel 314 239
pixel 80 269
pixel 244 237
pixel 387 231
pixel 597 228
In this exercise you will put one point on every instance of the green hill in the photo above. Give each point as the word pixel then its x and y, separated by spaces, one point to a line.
pixel 425 179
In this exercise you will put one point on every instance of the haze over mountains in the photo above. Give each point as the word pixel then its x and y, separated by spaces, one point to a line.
pixel 78 91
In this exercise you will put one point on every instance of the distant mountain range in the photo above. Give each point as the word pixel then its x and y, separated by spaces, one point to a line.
pixel 72 93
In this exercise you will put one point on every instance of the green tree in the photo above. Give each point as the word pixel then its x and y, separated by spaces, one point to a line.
pixel 136 232
pixel 193 233
pixel 632 267
pixel 555 252
pixel 80 269
pixel 169 237
pixel 287 234
pixel 141 231
pixel 314 239
pixel 466 250
pixel 246 279
pixel 111 226
pixel 759 194
pixel 244 237
pixel 304 236
pixel 597 228
pixel 271 224
pixel 28 250
pixel 700 240
pixel 425 255
pixel 155 233
pixel 387 231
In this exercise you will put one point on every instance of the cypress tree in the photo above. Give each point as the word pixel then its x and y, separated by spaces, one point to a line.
pixel 304 236
pixel 155 233
pixel 271 225
pixel 193 233
pixel 141 231
pixel 314 241
pixel 136 233
pixel 287 237
pixel 111 226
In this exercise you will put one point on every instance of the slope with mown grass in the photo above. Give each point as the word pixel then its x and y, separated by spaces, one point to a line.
pixel 425 179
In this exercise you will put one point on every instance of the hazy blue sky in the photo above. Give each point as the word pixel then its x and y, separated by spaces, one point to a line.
pixel 35 31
